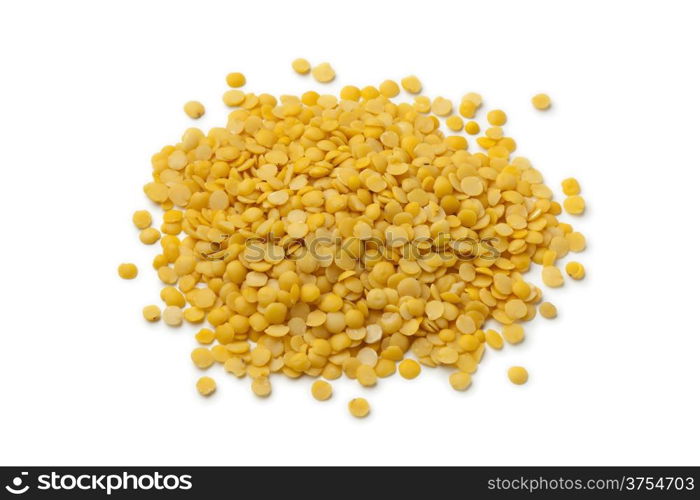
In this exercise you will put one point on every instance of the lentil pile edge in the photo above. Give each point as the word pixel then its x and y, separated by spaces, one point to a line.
pixel 328 236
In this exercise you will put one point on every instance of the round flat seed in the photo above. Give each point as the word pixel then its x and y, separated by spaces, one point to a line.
pixel 518 375
pixel 323 73
pixel 358 407
pixel 301 66
pixel 321 390
pixel 261 386
pixel 206 386
pixel 548 310
pixel 551 276
pixel 460 381
pixel 541 102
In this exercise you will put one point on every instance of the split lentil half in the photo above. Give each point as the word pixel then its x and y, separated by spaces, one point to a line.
pixel 327 235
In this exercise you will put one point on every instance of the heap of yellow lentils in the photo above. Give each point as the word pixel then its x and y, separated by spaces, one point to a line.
pixel 322 235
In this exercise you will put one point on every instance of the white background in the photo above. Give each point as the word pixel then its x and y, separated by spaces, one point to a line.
pixel 91 89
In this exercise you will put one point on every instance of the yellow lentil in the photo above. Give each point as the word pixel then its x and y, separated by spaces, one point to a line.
pixel 261 386
pixel 206 386
pixel 389 88
pixel 358 407
pixel 551 276
pixel 127 271
pixel 301 66
pixel 323 73
pixel 454 123
pixel 142 219
pixel 548 310
pixel 172 316
pixel 194 109
pixel 570 187
pixel 575 270
pixel 151 313
pixel 472 128
pixel 574 205
pixel 517 374
pixel 409 369
pixel 321 390
pixel 541 101
pixel 412 84
pixel 496 117
pixel 235 79
pixel 460 381
pixel 202 357
pixel 149 236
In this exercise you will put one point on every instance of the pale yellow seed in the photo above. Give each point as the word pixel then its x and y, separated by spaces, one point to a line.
pixel 142 219
pixel 460 381
pixel 516 308
pixel 297 230
pixel 366 376
pixel 441 106
pixel 575 270
pixel 389 88
pixel 454 123
pixel 323 73
pixel 127 271
pixel 517 374
pixel 574 205
pixel 570 187
pixel 513 333
pixel 321 390
pixel 172 316
pixel 235 79
pixel 409 369
pixel 261 386
pixel 551 276
pixel 206 386
pixel 412 84
pixel 194 109
pixel 548 310
pixel 202 357
pixel 151 313
pixel 358 407
pixel 301 66
pixel 541 101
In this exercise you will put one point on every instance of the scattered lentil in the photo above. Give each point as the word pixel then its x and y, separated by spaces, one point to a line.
pixel 518 375
pixel 151 313
pixel 127 271
pixel 235 79
pixel 206 386
pixel 541 102
pixel 301 66
pixel 321 390
pixel 323 73
pixel 359 407
pixel 194 109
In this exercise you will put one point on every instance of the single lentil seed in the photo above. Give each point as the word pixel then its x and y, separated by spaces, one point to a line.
pixel 518 375
pixel 321 390
pixel 541 101
pixel 412 84
pixel 127 271
pixel 409 369
pixel 460 381
pixel 358 407
pixel 206 386
pixel 235 79
pixel 194 109
pixel 548 310
pixel 323 73
pixel 301 66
